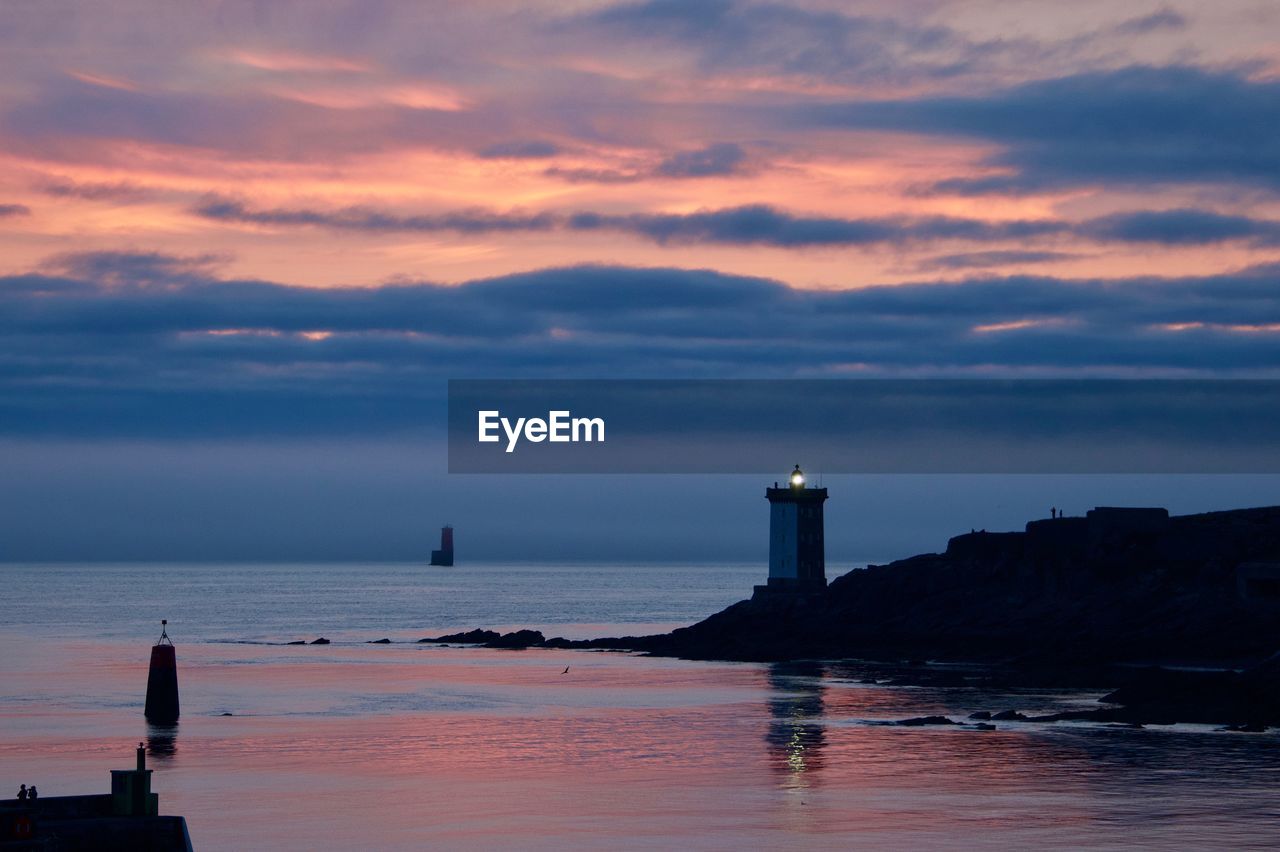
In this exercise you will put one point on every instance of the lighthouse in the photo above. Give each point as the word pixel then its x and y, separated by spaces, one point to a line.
pixel 444 556
pixel 797 553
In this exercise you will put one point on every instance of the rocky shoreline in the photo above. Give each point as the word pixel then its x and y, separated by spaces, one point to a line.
pixel 1247 700
pixel 1069 602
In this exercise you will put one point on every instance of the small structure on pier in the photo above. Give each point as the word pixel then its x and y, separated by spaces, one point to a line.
pixel 131 789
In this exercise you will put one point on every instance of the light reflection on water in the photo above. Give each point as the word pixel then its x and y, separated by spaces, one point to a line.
pixel 404 746
pixel 797 734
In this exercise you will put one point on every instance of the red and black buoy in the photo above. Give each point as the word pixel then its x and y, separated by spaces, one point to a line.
pixel 162 681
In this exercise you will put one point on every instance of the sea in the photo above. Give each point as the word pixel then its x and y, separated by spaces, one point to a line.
pixel 405 745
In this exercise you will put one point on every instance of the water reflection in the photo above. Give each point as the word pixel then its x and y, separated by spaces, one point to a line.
pixel 162 741
pixel 796 735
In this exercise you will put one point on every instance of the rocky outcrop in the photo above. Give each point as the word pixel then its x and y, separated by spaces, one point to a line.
pixel 1066 602
pixel 518 639
pixel 1118 585
pixel 921 721
pixel 471 637
pixel 492 639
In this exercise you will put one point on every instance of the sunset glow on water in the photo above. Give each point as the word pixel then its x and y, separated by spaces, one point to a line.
pixel 403 746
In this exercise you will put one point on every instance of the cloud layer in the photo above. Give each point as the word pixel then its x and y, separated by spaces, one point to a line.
pixel 1138 125
pixel 243 225
pixel 241 205
pixel 158 346
pixel 764 225
pixel 362 143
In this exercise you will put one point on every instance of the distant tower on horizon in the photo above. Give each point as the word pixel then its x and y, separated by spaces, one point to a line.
pixel 444 556
pixel 797 551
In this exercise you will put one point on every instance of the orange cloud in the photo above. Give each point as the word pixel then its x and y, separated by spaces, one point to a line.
pixel 282 60
pixel 408 95
pixel 103 80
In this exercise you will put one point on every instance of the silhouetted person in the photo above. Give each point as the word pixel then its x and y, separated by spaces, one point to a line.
pixel 31 792
pixel 1053 513
pixel 22 793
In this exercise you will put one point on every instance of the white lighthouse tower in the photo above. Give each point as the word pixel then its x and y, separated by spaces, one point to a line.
pixel 797 552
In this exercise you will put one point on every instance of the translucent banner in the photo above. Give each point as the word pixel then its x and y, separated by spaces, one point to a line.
pixel 864 426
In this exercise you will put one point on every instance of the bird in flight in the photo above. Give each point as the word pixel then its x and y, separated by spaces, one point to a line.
pixel 566 670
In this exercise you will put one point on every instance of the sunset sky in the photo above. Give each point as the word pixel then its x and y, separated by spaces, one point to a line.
pixel 248 221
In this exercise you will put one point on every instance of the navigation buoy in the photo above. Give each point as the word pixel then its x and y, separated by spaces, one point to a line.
pixel 162 680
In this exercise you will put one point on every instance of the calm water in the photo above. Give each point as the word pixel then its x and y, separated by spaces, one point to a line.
pixel 404 746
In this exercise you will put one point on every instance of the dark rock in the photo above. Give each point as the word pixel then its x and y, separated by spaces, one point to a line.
pixel 1246 728
pixel 1166 696
pixel 320 641
pixel 920 721
pixel 471 637
pixel 518 639
pixel 297 642
pixel 378 642
pixel 984 726
pixel 1008 716
pixel 226 714
pixel 983 715
pixel 1068 716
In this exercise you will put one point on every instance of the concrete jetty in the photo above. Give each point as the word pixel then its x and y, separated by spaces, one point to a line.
pixel 125 820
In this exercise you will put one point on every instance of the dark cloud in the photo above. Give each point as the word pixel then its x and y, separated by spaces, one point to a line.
pixel 120 191
pixel 1134 126
pixel 987 259
pixel 750 225
pixel 1162 19
pixel 1182 227
pixel 180 352
pixel 721 159
pixel 593 175
pixel 533 149
pixel 366 219
pixel 729 36
pixel 7 210
pixel 765 225
pixel 717 160
pixel 135 269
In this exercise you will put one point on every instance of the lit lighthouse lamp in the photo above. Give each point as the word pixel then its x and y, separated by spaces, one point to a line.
pixel 797 551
